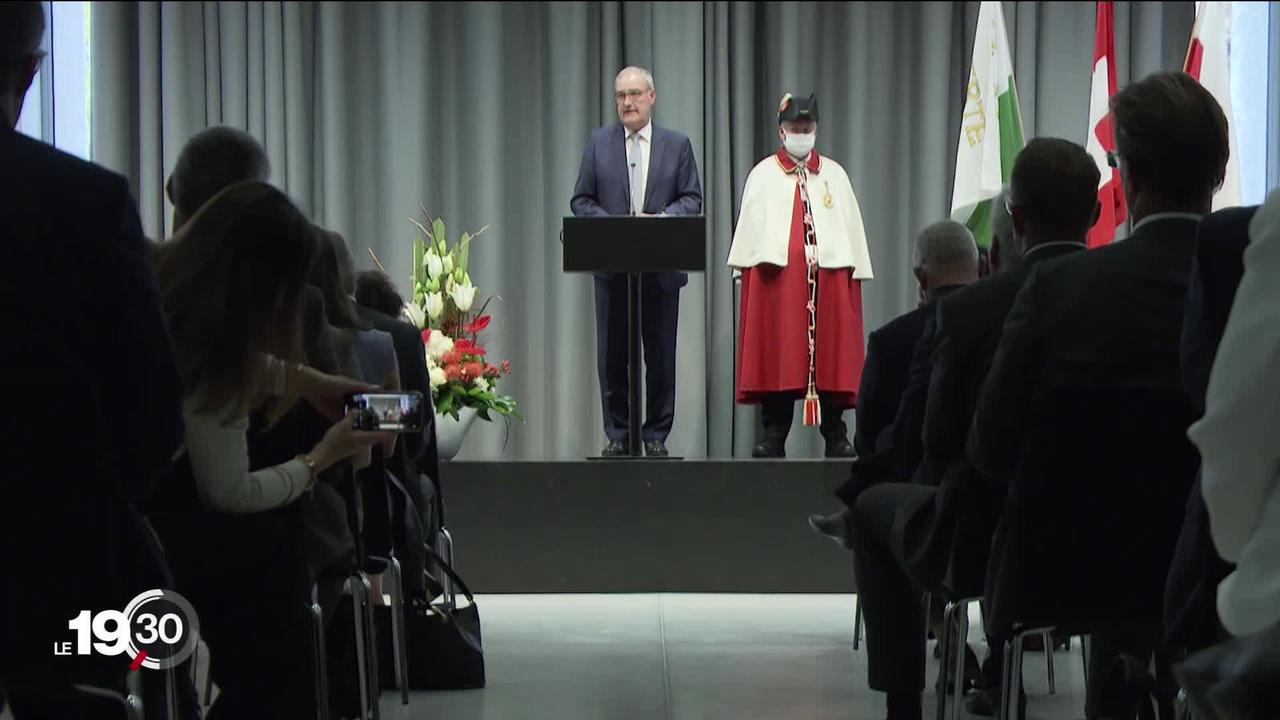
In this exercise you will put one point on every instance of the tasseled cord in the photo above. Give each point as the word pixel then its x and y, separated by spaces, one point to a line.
pixel 812 410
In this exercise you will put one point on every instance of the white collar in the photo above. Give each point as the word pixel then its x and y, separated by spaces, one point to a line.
pixel 646 132
pixel 1166 216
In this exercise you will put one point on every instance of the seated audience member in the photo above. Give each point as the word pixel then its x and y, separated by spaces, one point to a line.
pixel 946 260
pixel 230 284
pixel 379 306
pixel 375 291
pixel 364 352
pixel 1191 615
pixel 1236 437
pixel 1053 201
pixel 214 159
pixel 1109 320
pixel 70 535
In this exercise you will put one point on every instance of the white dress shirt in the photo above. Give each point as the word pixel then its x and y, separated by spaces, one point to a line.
pixel 646 146
pixel 1238 441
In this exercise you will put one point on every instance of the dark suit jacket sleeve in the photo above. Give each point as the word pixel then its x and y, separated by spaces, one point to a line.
pixel 946 422
pixel 1195 348
pixel 142 391
pixel 908 424
pixel 688 195
pixel 585 200
pixel 872 417
pixel 995 439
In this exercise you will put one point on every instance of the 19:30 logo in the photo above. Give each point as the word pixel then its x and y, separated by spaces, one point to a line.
pixel 158 629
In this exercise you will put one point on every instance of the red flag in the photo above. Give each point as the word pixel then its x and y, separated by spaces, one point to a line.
pixel 1102 136
pixel 1208 61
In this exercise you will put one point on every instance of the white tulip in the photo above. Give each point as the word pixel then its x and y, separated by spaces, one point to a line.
pixel 435 268
pixel 463 295
pixel 436 376
pixel 435 305
pixel 415 315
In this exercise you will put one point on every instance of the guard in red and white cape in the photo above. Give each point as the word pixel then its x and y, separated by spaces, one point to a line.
pixel 802 252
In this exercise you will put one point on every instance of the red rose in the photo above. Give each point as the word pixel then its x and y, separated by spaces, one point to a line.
pixel 453 357
pixel 473 369
pixel 452 372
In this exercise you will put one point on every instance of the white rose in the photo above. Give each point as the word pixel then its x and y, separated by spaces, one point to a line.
pixel 436 375
pixel 435 268
pixel 479 382
pixel 435 304
pixel 463 295
pixel 415 315
pixel 437 345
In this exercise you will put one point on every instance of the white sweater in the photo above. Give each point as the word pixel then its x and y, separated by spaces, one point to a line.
pixel 219 453
pixel 1239 437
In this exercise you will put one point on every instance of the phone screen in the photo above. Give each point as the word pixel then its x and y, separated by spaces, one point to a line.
pixel 387 411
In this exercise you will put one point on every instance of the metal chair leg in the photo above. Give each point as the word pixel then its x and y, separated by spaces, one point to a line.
pixel 857 621
pixel 398 631
pixel 207 700
pixel 444 547
pixel 1084 656
pixel 944 652
pixel 360 592
pixel 321 662
pixel 1048 658
pixel 961 622
pixel 1006 681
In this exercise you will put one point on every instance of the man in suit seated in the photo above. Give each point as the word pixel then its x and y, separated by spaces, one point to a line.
pixel 94 399
pixel 904 533
pixel 1109 321
pixel 1191 616
pixel 946 260
pixel 637 168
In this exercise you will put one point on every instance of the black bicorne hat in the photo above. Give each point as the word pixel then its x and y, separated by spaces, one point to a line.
pixel 794 108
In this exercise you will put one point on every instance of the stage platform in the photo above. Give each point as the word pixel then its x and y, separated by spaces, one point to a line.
pixel 709 526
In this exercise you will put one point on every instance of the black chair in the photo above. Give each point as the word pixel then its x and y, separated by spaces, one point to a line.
pixel 1087 534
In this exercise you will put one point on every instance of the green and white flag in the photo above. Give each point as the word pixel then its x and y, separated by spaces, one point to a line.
pixel 991 129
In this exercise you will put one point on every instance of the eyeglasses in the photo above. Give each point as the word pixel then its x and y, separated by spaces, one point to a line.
pixel 1113 158
pixel 623 95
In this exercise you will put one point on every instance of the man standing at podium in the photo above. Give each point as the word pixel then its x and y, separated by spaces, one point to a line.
pixel 637 168
pixel 802 252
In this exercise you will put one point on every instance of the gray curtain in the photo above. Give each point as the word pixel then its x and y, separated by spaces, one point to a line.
pixel 479 112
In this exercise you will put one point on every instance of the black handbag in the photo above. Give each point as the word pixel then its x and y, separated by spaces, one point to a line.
pixel 443 644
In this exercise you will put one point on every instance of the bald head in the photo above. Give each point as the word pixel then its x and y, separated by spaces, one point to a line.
pixel 212 160
pixel 635 94
pixel 946 255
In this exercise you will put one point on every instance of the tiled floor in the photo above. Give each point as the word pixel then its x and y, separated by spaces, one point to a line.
pixel 688 657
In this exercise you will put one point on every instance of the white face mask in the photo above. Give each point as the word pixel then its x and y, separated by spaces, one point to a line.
pixel 799 144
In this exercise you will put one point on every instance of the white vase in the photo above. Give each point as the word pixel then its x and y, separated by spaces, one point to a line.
pixel 450 433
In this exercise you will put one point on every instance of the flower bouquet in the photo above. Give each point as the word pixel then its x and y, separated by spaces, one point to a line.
pixel 443 298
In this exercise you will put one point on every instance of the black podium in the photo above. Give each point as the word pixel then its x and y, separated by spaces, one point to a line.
pixel 634 245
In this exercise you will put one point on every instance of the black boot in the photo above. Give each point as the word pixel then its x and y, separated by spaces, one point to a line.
pixel 775 413
pixel 836 435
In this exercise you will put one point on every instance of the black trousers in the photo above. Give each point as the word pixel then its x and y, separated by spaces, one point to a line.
pixel 777 413
pixel 891 601
pixel 659 313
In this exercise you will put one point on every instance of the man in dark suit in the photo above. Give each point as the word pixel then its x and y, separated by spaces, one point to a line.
pixel 637 168
pixel 93 395
pixel 1106 325
pixel 904 532
pixel 946 260
pixel 1191 614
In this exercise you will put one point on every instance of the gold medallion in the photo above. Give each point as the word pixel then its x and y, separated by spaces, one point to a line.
pixel 826 200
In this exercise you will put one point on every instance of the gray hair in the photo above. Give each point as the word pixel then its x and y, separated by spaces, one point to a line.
pixel 213 160
pixel 946 245
pixel 21 29
pixel 1002 229
pixel 648 76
